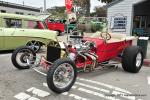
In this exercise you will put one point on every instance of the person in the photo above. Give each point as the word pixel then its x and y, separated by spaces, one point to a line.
pixel 72 21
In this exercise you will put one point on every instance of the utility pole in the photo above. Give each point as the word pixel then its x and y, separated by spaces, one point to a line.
pixel 44 5
pixel 23 3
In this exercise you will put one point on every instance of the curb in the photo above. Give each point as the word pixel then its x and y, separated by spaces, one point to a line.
pixel 146 62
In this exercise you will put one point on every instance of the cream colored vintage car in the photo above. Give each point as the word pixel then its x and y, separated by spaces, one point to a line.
pixel 20 30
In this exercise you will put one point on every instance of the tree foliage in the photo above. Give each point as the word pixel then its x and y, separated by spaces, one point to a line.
pixel 99 12
pixel 84 4
pixel 57 12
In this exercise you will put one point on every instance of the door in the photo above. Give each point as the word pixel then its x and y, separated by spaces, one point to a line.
pixel 1 38
pixel 11 40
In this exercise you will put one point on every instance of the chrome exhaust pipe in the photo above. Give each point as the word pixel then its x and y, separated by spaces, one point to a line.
pixel 94 60
pixel 85 59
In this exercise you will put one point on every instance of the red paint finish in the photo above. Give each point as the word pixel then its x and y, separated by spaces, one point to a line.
pixel 107 51
pixel 55 26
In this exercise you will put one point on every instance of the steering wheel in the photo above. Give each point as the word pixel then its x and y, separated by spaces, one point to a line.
pixel 106 36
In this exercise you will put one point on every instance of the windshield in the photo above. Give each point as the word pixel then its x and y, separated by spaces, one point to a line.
pixel 44 25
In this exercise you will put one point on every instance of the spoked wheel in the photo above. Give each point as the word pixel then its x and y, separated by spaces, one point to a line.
pixel 23 57
pixel 34 45
pixel 62 75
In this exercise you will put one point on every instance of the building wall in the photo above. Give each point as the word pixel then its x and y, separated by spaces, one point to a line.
pixel 125 9
pixel 13 10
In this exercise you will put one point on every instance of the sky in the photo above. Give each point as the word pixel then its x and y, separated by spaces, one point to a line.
pixel 50 3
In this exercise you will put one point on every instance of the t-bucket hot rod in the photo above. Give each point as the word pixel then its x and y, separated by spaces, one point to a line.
pixel 87 53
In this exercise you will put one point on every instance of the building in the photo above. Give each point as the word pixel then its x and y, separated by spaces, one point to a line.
pixel 129 16
pixel 7 7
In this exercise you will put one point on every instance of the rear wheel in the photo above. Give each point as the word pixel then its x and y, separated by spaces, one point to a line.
pixel 132 60
pixel 34 45
pixel 62 75
pixel 21 56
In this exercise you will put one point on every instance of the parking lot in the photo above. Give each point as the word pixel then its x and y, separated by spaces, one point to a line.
pixel 102 84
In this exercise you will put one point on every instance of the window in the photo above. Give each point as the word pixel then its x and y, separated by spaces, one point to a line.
pixel 31 14
pixel 34 25
pixel 3 11
pixel 13 23
pixel 119 23
pixel 20 13
pixel 140 22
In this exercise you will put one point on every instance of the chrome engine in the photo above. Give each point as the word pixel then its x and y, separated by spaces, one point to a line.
pixel 77 46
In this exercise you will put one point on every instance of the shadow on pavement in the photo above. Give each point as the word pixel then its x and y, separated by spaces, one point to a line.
pixel 6 52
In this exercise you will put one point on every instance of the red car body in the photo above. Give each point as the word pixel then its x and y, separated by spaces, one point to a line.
pixel 105 51
pixel 55 25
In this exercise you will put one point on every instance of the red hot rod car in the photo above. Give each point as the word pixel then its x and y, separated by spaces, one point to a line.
pixel 87 53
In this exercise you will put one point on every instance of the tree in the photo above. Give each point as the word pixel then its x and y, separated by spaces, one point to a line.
pixel 57 12
pixel 86 4
pixel 99 12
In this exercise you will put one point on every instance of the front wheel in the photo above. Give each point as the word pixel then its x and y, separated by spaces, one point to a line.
pixel 22 56
pixel 62 75
pixel 34 45
pixel 132 60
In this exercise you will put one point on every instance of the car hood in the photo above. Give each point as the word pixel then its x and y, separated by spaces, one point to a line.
pixel 48 34
pixel 43 33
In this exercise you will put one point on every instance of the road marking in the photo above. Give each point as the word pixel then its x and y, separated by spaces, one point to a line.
pixel 116 93
pixel 77 97
pixel 65 93
pixel 118 90
pixel 95 82
pixel 148 78
pixel 92 87
pixel 73 87
pixel 106 85
pixel 97 94
pixel 33 98
pixel 38 92
pixel 22 96
pixel 71 95
pixel 45 84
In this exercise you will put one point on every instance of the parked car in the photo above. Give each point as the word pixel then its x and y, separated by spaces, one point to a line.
pixel 81 53
pixel 60 26
pixel 56 25
pixel 19 30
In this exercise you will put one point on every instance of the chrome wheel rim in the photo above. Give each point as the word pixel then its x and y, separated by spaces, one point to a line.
pixel 63 75
pixel 25 57
pixel 34 45
pixel 138 60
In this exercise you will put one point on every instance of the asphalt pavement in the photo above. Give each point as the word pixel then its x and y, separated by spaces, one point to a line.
pixel 103 84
